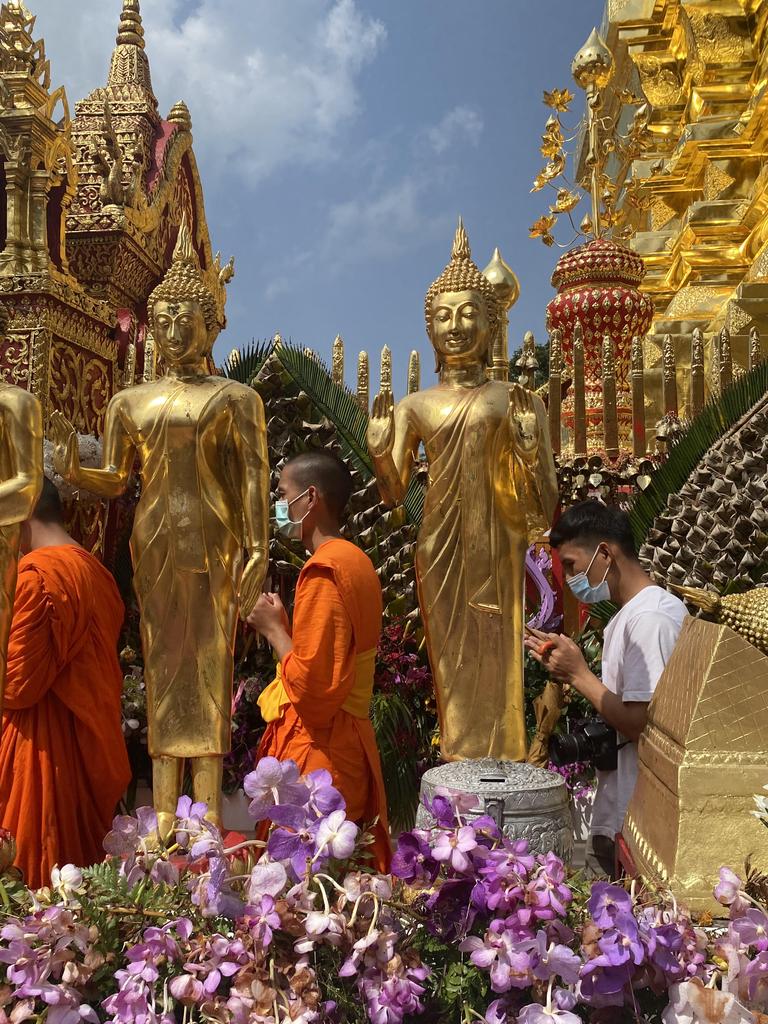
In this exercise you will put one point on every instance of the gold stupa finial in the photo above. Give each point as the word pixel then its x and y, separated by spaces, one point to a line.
pixel 179 115
pixel 130 32
pixel 503 279
pixel 593 64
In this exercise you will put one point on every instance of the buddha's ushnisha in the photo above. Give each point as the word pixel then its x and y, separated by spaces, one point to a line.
pixel 201 445
pixel 491 491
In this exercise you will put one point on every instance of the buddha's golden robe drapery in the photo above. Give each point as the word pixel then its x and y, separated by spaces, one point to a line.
pixel 483 508
pixel 200 447
pixel 21 477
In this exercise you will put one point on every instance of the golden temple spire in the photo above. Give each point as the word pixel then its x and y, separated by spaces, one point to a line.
pixel 129 73
pixel 130 31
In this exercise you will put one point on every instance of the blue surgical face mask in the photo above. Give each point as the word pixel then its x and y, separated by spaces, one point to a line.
pixel 287 527
pixel 583 590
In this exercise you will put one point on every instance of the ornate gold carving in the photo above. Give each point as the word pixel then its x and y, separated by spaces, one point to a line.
pixel 337 361
pixel 716 180
pixel 660 82
pixel 81 386
pixel 414 373
pixel 16 359
pixel 661 213
pixel 737 318
pixel 692 298
pixel 716 40
pixel 385 377
pixel 363 381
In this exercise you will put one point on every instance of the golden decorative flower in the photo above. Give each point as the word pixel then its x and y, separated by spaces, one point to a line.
pixel 555 167
pixel 566 200
pixel 543 228
pixel 558 99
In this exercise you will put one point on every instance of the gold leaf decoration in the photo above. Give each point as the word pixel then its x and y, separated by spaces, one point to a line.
pixel 555 167
pixel 566 201
pixel 558 99
pixel 543 228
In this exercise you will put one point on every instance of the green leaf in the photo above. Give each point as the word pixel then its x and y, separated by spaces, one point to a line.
pixel 398 735
pixel 337 404
pixel 246 364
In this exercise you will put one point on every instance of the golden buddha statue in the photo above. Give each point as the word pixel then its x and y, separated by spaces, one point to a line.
pixel 491 491
pixel 21 479
pixel 201 445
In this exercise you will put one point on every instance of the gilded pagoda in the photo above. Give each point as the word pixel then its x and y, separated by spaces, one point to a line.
pixel 697 199
pixel 93 206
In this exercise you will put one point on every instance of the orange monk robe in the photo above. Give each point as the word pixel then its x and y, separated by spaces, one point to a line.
pixel 63 762
pixel 327 682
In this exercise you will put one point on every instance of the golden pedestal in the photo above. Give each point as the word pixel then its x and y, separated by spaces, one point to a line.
pixel 702 757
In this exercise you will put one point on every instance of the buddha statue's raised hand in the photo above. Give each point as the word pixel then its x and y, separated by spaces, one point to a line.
pixel 66 448
pixel 523 424
pixel 381 426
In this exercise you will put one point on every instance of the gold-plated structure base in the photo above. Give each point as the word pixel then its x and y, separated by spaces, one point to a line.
pixel 703 756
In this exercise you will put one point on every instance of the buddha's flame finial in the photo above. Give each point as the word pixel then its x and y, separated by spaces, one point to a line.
pixel 184 251
pixel 131 30
pixel 461 250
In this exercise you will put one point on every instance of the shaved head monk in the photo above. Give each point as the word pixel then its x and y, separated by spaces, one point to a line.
pixel 317 709
pixel 63 763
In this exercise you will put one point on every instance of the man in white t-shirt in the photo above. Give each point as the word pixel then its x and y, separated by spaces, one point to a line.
pixel 597 553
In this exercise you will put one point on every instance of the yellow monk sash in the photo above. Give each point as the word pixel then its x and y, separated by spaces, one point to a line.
pixel 274 698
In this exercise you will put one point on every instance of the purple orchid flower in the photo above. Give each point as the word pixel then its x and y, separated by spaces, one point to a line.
pixel 336 837
pixel 412 859
pixel 294 848
pixel 263 920
pixel 752 929
pixel 452 848
pixel 607 902
pixel 274 782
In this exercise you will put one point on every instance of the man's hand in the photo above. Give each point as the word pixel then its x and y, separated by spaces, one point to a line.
pixel 559 655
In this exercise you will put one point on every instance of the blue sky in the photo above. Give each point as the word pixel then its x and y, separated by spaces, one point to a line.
pixel 338 141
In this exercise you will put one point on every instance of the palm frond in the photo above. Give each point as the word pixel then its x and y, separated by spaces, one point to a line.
pixel 244 364
pixel 397 739
pixel 333 401
pixel 716 418
pixel 338 405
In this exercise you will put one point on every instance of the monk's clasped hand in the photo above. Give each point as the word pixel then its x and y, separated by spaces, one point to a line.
pixel 269 614
pixel 559 655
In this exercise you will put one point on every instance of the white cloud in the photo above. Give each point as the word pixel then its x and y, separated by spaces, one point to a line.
pixel 461 125
pixel 268 83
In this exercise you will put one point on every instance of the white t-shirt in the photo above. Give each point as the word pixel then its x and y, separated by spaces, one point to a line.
pixel 638 642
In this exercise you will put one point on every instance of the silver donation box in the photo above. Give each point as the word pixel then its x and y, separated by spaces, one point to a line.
pixel 525 802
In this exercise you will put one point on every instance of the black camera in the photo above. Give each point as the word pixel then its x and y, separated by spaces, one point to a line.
pixel 590 740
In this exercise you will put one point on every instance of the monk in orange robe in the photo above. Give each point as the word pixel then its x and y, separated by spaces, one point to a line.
pixel 317 708
pixel 63 762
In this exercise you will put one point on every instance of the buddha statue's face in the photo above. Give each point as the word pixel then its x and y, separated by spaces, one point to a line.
pixel 460 329
pixel 181 334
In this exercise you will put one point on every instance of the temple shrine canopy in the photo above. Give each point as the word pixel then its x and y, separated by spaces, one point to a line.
pixel 92 211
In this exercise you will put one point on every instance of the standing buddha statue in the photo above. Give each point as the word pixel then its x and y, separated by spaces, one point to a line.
pixel 201 445
pixel 21 480
pixel 491 491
